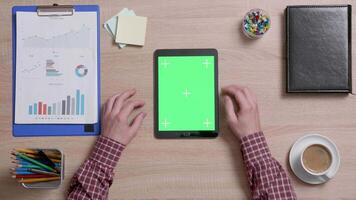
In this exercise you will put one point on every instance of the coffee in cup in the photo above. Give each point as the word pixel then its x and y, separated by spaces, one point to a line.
pixel 316 159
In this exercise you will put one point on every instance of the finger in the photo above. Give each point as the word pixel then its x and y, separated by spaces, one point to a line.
pixel 110 102
pixel 239 96
pixel 230 109
pixel 129 107
pixel 231 88
pixel 137 122
pixel 250 96
pixel 120 100
pixel 103 110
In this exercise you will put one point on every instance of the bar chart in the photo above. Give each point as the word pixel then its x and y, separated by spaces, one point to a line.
pixel 50 69
pixel 70 105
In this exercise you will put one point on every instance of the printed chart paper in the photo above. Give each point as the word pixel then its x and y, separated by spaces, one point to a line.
pixel 56 69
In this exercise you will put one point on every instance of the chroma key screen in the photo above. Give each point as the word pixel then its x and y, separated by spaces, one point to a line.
pixel 186 93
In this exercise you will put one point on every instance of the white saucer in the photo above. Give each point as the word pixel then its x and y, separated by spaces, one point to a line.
pixel 296 151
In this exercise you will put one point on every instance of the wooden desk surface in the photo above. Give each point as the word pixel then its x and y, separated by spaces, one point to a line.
pixel 194 169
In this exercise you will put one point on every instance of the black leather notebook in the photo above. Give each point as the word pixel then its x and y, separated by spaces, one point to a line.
pixel 319 48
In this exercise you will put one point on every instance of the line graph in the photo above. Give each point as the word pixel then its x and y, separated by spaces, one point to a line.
pixel 71 39
pixel 31 69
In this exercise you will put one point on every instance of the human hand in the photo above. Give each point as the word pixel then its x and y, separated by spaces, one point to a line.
pixel 242 110
pixel 116 112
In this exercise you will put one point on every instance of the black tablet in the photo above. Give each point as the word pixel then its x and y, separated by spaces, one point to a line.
pixel 186 93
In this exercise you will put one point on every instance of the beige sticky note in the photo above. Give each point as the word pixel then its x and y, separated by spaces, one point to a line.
pixel 131 30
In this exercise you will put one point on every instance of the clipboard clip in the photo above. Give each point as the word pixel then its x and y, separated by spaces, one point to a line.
pixel 55 10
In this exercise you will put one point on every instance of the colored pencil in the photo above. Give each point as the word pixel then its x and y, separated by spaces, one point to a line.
pixel 29 166
pixel 35 162
pixel 30 176
pixel 19 159
pixel 24 162
pixel 19 169
pixel 33 180
pixel 55 160
pixel 22 173
pixel 23 167
pixel 29 155
pixel 21 162
pixel 43 172
pixel 26 151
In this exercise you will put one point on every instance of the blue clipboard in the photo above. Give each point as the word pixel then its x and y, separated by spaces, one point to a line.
pixel 26 130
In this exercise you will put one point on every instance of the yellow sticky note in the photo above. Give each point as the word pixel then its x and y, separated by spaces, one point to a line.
pixel 131 30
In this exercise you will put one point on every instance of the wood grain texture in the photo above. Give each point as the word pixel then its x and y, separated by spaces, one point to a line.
pixel 193 169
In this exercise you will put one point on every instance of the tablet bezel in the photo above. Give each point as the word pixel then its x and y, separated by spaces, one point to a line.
pixel 185 134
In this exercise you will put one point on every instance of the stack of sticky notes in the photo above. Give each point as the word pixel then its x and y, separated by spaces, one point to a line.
pixel 36 165
pixel 126 28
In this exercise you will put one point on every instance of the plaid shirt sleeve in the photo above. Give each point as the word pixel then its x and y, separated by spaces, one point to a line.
pixel 266 177
pixel 95 175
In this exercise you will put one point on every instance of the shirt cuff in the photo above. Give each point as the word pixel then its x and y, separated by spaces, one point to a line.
pixel 106 151
pixel 254 148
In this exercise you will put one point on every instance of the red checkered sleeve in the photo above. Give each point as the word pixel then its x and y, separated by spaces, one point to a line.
pixel 95 175
pixel 266 177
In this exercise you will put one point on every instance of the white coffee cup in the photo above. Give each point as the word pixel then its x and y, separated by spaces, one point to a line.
pixel 323 174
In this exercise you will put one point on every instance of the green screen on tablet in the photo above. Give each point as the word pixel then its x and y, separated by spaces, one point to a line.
pixel 186 93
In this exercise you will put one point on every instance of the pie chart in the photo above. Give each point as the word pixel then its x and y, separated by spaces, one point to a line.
pixel 81 71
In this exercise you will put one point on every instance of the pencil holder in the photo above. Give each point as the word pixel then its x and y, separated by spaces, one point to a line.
pixel 38 168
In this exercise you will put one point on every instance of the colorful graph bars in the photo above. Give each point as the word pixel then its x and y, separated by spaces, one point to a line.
pixel 67 106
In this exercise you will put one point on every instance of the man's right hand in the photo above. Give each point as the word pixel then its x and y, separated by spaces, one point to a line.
pixel 242 110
